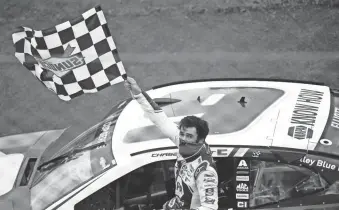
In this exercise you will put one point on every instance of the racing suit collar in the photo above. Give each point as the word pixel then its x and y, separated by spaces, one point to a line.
pixel 203 152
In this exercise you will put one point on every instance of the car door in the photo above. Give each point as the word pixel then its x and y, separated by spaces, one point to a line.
pixel 146 187
pixel 269 178
pixel 226 182
pixel 282 178
pixel 234 182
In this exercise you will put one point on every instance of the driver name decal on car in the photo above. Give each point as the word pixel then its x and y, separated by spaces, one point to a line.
pixel 165 154
pixel 335 120
pixel 318 163
pixel 304 114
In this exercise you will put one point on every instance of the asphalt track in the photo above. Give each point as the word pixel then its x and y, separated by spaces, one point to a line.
pixel 161 57
pixel 161 42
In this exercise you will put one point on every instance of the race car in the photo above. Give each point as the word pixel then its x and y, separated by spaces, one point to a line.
pixel 275 144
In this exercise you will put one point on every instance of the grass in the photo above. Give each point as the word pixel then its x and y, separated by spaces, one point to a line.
pixel 161 43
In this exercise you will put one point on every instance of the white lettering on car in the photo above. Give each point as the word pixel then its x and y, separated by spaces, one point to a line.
pixel 318 163
pixel 335 120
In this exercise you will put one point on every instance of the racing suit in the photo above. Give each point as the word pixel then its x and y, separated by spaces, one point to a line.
pixel 196 179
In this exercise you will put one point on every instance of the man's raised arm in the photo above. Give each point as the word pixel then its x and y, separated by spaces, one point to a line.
pixel 153 111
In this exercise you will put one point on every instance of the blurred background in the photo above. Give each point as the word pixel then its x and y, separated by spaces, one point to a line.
pixel 162 41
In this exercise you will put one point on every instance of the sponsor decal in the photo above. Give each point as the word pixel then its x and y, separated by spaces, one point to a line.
pixel 175 203
pixel 310 96
pixel 242 187
pixel 300 132
pixel 184 167
pixel 242 178
pixel 179 190
pixel 103 163
pixel 304 114
pixel 201 167
pixel 209 200
pixel 224 152
pixel 191 169
pixel 209 175
pixel 171 203
pixel 243 172
pixel 208 185
pixel 167 154
pixel 256 154
pixel 242 165
pixel 242 204
pixel 335 120
pixel 102 157
pixel 60 65
pixel 210 180
pixel 318 163
pixel 209 191
pixel 181 162
pixel 104 132
pixel 185 173
pixel 242 196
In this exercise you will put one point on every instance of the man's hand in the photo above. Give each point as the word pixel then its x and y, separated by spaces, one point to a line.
pixel 131 85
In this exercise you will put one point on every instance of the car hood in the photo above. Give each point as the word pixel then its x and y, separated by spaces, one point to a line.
pixel 10 165
pixel 257 113
pixel 15 149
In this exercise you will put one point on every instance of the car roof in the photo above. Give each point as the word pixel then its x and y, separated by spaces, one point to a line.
pixel 268 119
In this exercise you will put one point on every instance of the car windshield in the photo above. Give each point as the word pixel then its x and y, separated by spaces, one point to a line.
pixel 58 178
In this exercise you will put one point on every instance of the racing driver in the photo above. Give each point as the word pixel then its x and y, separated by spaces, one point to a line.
pixel 196 179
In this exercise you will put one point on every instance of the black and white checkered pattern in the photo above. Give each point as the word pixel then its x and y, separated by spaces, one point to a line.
pixel 91 41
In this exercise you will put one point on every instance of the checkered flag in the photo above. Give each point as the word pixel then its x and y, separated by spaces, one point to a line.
pixel 71 58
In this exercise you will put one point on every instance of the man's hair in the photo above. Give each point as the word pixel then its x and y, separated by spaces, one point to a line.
pixel 200 125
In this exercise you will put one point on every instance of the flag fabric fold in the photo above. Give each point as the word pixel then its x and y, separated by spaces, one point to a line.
pixel 72 58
